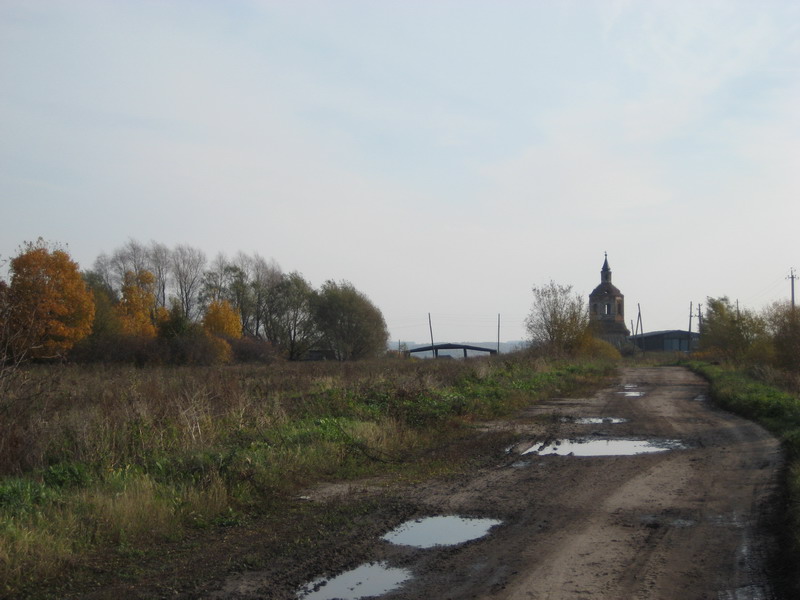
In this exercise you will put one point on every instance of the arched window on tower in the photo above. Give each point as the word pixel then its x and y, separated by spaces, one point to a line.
pixel 608 308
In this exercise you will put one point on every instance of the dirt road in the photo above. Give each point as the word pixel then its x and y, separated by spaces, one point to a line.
pixel 686 522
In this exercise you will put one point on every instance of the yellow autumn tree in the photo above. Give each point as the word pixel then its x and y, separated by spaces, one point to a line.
pixel 137 309
pixel 47 307
pixel 221 319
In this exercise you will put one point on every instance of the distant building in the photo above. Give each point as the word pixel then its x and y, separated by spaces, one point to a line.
pixel 607 310
pixel 674 340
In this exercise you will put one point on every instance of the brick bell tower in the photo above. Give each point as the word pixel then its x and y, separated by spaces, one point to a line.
pixel 607 309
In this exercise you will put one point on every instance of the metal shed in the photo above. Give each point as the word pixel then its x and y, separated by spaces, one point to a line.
pixel 673 340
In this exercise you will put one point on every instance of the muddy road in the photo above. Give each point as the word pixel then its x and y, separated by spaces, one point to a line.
pixel 686 520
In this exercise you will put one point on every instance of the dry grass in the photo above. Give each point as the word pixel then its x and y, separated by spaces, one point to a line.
pixel 118 457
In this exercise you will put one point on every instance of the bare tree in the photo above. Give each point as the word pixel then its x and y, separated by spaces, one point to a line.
pixel 241 292
pixel 217 280
pixel 132 257
pixel 559 319
pixel 159 258
pixel 188 265
pixel 103 270
pixel 11 339
pixel 266 274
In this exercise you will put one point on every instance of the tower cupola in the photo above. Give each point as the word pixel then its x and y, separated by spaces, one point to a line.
pixel 607 309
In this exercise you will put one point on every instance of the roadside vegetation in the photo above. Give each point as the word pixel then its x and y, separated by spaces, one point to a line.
pixel 752 361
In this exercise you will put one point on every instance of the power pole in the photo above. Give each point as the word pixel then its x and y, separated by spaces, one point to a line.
pixel 498 334
pixel 430 326
pixel 639 328
pixel 639 324
pixel 792 276
pixel 689 341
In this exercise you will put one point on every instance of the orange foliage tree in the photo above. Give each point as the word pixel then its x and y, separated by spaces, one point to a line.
pixel 137 308
pixel 47 307
pixel 221 319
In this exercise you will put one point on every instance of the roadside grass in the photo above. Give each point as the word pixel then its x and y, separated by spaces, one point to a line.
pixel 117 459
pixel 766 397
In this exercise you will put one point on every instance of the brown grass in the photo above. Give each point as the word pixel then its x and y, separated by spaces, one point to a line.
pixel 117 457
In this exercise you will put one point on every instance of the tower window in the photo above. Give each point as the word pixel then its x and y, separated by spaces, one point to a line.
pixel 608 309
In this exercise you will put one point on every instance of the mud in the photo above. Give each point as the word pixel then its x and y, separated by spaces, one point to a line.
pixel 683 524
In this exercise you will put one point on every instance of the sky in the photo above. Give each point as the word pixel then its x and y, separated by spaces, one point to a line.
pixel 442 156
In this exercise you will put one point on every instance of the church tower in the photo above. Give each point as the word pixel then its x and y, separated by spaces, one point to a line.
pixel 607 309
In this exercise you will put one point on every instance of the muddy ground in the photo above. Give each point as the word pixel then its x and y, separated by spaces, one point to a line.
pixel 690 522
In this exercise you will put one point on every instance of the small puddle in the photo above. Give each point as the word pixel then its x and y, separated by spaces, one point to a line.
pixel 750 592
pixel 654 522
pixel 603 447
pixel 629 394
pixel 594 420
pixel 439 531
pixel 371 579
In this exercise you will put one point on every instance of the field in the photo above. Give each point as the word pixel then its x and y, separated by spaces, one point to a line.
pixel 100 465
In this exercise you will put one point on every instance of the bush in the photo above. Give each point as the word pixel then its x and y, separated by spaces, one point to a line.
pixel 597 349
pixel 252 350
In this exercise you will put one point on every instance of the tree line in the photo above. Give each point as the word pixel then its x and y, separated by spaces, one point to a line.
pixel 148 303
pixel 743 336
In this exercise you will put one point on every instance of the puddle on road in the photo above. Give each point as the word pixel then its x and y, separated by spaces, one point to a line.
pixel 630 391
pixel 654 521
pixel 371 579
pixel 594 420
pixel 729 520
pixel 750 592
pixel 603 447
pixel 439 531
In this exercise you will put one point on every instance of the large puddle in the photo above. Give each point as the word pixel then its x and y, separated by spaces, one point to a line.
pixel 439 531
pixel 603 447
pixel 371 579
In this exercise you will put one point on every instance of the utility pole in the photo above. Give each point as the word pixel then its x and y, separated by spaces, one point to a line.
pixel 639 324
pixel 792 276
pixel 689 341
pixel 699 317
pixel 430 326
pixel 498 334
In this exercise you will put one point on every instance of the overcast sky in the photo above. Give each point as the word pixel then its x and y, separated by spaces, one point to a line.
pixel 443 156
